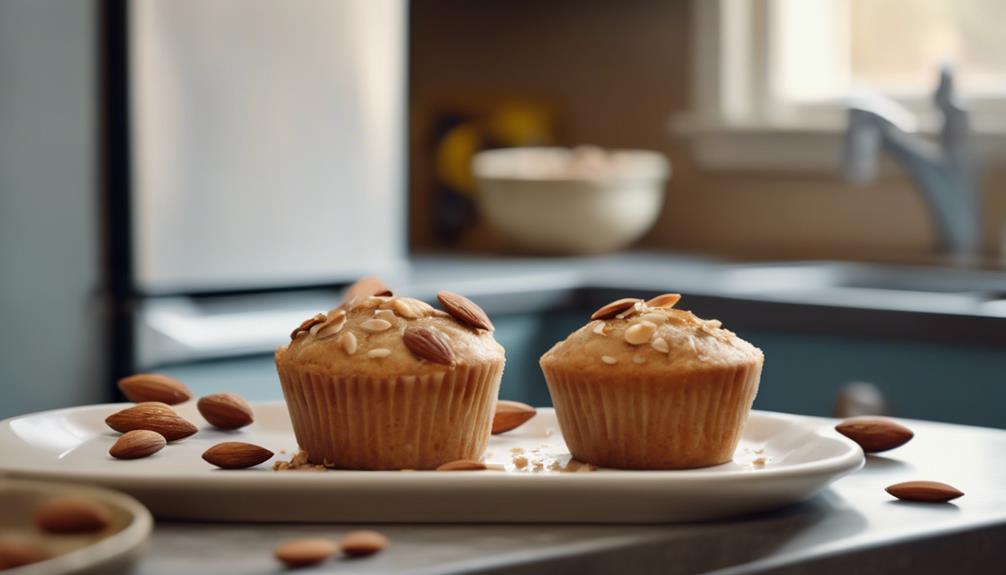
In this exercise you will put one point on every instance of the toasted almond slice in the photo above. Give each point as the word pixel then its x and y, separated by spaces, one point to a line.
pixel 664 300
pixel 71 514
pixel 225 410
pixel 660 344
pixel 511 414
pixel 379 353
pixel 614 308
pixel 640 333
pixel 306 325
pixel 462 465
pixel 236 455
pixel 154 387
pixel 924 491
pixel 465 310
pixel 348 342
pixel 375 325
pixel 137 444
pixel 304 552
pixel 363 543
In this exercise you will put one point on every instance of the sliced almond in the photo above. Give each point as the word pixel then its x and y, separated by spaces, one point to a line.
pixel 236 455
pixel 366 287
pixel 411 308
pixel 511 414
pixel 332 327
pixel 429 344
pixel 465 310
pixel 304 552
pixel 599 328
pixel 375 325
pixel 348 342
pixel 664 300
pixel 306 325
pixel 610 360
pixel 462 465
pixel 71 514
pixel 154 387
pixel 154 416
pixel 225 410
pixel 614 308
pixel 924 491
pixel 363 543
pixel 379 353
pixel 137 443
pixel 17 552
pixel 660 344
pixel 875 434
pixel 640 333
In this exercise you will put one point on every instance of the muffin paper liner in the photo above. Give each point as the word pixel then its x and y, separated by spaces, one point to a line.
pixel 399 422
pixel 654 422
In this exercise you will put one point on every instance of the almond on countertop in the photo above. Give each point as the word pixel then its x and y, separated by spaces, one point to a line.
pixel 429 344
pixel 236 455
pixel 154 416
pixel 225 410
pixel 71 514
pixel 465 310
pixel 462 465
pixel 363 543
pixel 924 491
pixel 304 552
pixel 511 414
pixel 15 552
pixel 137 443
pixel 875 434
pixel 154 387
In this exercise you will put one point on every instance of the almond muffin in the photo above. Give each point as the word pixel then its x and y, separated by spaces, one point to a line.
pixel 647 386
pixel 385 382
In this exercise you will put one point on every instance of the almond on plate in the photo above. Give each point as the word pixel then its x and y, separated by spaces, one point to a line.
pixel 154 387
pixel 225 410
pixel 137 443
pixel 363 543
pixel 19 552
pixel 511 414
pixel 236 455
pixel 304 552
pixel 71 514
pixel 875 434
pixel 154 416
pixel 924 491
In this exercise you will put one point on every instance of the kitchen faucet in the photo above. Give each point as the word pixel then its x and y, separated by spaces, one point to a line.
pixel 946 173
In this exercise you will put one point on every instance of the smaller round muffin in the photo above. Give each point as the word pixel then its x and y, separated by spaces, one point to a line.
pixel 384 382
pixel 647 386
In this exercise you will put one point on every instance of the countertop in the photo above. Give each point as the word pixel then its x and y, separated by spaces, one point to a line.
pixel 853 527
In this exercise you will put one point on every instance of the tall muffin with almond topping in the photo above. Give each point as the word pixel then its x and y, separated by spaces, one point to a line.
pixel 385 382
pixel 648 386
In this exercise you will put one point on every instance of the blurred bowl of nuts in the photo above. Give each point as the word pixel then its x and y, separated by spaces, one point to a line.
pixel 562 201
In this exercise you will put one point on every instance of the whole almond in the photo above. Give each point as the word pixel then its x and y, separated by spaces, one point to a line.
pixel 71 514
pixel 154 416
pixel 236 455
pixel 614 308
pixel 511 414
pixel 154 387
pixel 924 491
pixel 19 552
pixel 462 465
pixel 429 344
pixel 225 410
pixel 365 287
pixel 465 310
pixel 304 552
pixel 137 443
pixel 363 543
pixel 875 434
pixel 664 300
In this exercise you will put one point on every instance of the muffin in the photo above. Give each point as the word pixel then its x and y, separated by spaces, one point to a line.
pixel 647 386
pixel 385 382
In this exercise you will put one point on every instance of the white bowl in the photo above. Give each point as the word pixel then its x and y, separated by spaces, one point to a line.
pixel 113 550
pixel 561 201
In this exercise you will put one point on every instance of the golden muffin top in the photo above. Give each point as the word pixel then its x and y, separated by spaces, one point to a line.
pixel 377 335
pixel 650 336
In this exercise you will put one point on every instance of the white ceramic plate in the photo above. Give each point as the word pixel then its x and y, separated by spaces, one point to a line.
pixel 801 456
pixel 113 550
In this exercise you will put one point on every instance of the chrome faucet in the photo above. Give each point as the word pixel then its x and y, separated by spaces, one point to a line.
pixel 946 173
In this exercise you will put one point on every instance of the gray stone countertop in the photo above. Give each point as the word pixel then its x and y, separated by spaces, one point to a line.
pixel 853 527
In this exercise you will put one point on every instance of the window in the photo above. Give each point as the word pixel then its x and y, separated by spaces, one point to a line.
pixel 766 68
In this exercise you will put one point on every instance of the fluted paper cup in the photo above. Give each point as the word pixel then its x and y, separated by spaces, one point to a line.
pixel 651 421
pixel 397 422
